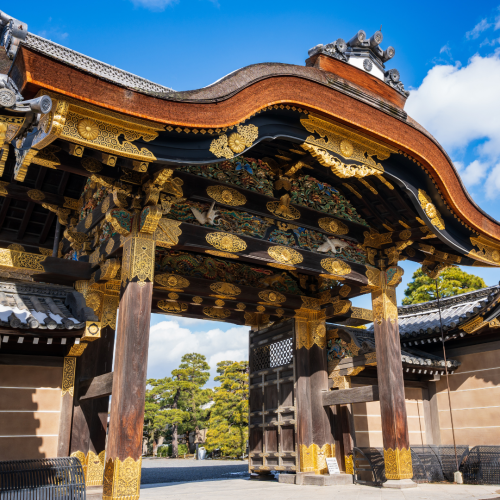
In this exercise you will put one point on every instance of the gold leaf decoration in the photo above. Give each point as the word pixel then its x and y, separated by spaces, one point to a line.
pixel 225 289
pixel 430 209
pixel 226 242
pixel 283 209
pixel 167 233
pixel 398 464
pixel 88 220
pixel 285 255
pixel 216 313
pixel 279 312
pixel 220 303
pixel 19 248
pixel 105 204
pixel 172 281
pixel 224 147
pixel 68 379
pixel 91 164
pixel 272 296
pixel 261 309
pixel 110 245
pixel 88 129
pixel 45 251
pixel 281 266
pixel 173 296
pixel 225 255
pixel 197 300
pixel 77 349
pixel 36 194
pixel 226 195
pixel 336 266
pixel 333 226
pixel 240 306
pixel 122 480
pixel 172 307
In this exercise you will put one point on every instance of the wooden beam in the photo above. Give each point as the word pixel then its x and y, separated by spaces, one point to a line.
pixel 349 396
pixel 20 192
pixel 96 387
pixel 3 211
pixel 46 228
pixel 25 221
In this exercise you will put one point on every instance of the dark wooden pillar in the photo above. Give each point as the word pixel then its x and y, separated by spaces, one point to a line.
pixel 122 473
pixel 314 434
pixel 66 415
pixel 397 454
pixel 88 436
pixel 347 440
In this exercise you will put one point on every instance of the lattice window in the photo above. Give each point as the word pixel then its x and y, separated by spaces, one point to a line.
pixel 273 355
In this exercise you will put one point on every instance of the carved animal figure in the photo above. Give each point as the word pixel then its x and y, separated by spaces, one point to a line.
pixel 332 244
pixel 275 278
pixel 206 217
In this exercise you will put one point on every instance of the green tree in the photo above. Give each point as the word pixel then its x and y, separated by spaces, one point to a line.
pixel 452 281
pixel 174 402
pixel 228 424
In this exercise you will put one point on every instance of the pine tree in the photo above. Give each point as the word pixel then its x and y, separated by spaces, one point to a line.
pixel 452 281
pixel 228 424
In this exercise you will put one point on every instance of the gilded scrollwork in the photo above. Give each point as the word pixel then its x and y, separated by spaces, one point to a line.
pixel 122 480
pixel 225 289
pixel 138 260
pixel 489 251
pixel 398 463
pixel 226 147
pixel 172 282
pixel 167 233
pixel 226 242
pixel 285 255
pixel 226 195
pixel 313 457
pixel 335 266
pixel 172 307
pixel 68 379
pixel 333 226
pixel 110 305
pixel 23 260
pixel 283 208
pixel 272 297
pixel 310 327
pixel 430 209
pixel 77 349
pixel 216 312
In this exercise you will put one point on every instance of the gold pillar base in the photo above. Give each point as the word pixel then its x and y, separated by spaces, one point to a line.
pixel 349 464
pixel 93 467
pixel 398 463
pixel 313 458
pixel 122 480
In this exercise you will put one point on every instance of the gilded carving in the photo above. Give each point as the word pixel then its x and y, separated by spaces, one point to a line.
pixel 110 305
pixel 172 307
pixel 361 313
pixel 226 242
pixel 138 260
pixel 3 188
pixel 283 208
pixel 197 300
pixel 279 312
pixel 335 266
pixel 333 226
pixel 489 250
pixel 122 480
pixel 240 306
pixel 120 220
pixel 310 328
pixel 256 320
pixel 220 303
pixel 109 269
pixel 23 260
pixel 77 349
pixel 92 331
pixel 313 457
pixel 224 147
pixel 473 325
pixel 172 282
pixel 345 291
pixel 225 289
pixel 226 195
pixel 346 142
pixel 88 220
pixel 285 255
pixel 260 309
pixel 398 464
pixel 95 468
pixel 167 233
pixel 339 168
pixel 430 209
pixel 376 240
pixel 150 218
pixel 225 255
pixel 349 464
pixel 68 380
pixel 272 297
pixel 216 312
pixel 36 194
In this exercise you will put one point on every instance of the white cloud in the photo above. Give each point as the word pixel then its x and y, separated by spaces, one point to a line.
pixel 170 340
pixel 483 25
pixel 492 186
pixel 445 49
pixel 460 106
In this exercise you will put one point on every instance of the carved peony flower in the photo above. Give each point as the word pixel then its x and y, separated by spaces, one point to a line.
pixel 430 210
pixel 236 142
pixel 88 129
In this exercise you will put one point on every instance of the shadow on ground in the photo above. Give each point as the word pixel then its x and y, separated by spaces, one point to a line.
pixel 153 475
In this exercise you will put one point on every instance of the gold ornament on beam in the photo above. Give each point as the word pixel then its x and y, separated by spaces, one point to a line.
pixel 224 147
pixel 336 266
pixel 173 307
pixel 333 226
pixel 430 209
pixel 197 300
pixel 172 282
pixel 226 289
pixel 36 194
pixel 68 379
pixel 283 209
pixel 167 233
pixel 225 255
pixel 226 242
pixel 285 255
pixel 91 164
pixel 270 296
pixel 216 312
pixel 226 195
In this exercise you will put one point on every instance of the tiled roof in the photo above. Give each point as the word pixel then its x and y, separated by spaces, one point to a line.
pixel 91 65
pixel 40 307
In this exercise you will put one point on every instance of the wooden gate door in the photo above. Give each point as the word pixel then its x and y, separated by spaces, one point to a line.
pixel 272 423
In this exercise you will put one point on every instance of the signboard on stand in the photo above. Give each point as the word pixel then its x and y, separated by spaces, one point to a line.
pixel 333 466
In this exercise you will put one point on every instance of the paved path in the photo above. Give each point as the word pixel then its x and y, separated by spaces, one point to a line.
pixel 171 470
pixel 244 489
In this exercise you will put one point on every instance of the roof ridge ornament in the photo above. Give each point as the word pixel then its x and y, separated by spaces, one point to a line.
pixel 365 54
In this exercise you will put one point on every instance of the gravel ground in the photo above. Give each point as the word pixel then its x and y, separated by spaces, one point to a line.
pixel 171 470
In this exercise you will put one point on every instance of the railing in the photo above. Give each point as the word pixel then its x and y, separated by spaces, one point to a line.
pixel 42 479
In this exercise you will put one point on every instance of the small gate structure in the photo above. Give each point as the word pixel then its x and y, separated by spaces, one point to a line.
pixel 42 479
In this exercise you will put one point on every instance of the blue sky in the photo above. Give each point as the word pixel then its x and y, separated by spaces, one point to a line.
pixel 448 55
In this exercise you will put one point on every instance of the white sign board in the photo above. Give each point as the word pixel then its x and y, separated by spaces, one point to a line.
pixel 333 466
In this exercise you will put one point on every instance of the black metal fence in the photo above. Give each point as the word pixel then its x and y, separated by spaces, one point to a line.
pixel 42 479
pixel 480 465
